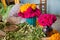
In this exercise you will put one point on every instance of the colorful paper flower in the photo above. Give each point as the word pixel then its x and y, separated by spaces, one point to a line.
pixel 33 6
pixel 30 13
pixel 46 19
pixel 26 6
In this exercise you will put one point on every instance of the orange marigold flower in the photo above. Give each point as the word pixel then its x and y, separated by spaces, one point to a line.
pixel 55 36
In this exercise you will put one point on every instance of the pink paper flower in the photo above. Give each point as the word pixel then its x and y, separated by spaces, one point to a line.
pixel 30 13
pixel 46 19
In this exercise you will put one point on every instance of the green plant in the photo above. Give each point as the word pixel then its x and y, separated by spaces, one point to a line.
pixel 27 32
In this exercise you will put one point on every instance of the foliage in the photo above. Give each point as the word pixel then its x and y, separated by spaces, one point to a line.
pixel 27 32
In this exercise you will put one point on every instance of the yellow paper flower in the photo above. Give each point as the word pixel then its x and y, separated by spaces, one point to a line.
pixel 26 6
pixel 22 8
pixel 33 6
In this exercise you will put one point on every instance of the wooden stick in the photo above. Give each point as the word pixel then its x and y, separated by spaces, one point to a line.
pixel 43 4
